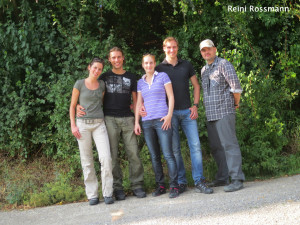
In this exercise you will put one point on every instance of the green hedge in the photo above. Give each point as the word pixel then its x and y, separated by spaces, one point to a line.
pixel 46 45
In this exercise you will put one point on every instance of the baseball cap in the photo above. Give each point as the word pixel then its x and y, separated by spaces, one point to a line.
pixel 206 43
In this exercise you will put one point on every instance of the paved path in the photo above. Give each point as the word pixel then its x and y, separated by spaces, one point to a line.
pixel 275 201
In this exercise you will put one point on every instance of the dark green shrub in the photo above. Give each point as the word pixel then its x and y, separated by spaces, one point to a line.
pixel 45 47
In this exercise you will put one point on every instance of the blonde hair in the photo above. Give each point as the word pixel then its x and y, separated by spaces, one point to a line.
pixel 148 54
pixel 169 39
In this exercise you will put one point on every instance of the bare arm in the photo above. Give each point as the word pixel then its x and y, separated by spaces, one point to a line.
pixel 139 101
pixel 194 109
pixel 167 119
pixel 74 99
pixel 237 97
pixel 134 98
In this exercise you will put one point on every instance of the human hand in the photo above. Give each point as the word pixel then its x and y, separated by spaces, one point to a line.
pixel 142 111
pixel 194 112
pixel 75 132
pixel 137 129
pixel 80 111
pixel 167 122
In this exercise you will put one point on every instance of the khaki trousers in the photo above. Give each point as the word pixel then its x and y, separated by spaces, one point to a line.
pixel 124 126
pixel 95 129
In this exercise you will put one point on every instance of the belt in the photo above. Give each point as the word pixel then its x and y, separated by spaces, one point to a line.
pixel 90 121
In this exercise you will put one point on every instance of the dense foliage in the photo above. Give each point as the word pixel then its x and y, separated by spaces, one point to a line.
pixel 46 45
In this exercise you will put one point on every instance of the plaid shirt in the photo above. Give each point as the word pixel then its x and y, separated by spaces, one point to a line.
pixel 219 81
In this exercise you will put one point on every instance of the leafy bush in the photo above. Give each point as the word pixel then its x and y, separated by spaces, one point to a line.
pixel 46 46
pixel 57 192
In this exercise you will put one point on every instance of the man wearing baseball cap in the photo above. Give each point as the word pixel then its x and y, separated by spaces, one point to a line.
pixel 221 96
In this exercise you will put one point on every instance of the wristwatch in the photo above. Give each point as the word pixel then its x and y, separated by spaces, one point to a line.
pixel 196 104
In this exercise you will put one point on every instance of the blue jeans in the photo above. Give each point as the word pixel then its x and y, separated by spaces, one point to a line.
pixel 190 128
pixel 154 136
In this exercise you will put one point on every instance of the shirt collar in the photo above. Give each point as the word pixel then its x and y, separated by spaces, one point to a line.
pixel 213 64
pixel 166 62
pixel 154 74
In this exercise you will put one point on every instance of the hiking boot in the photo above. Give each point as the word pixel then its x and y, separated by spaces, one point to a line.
pixel 159 191
pixel 182 188
pixel 218 183
pixel 174 192
pixel 139 193
pixel 234 186
pixel 108 200
pixel 93 201
pixel 119 194
pixel 201 187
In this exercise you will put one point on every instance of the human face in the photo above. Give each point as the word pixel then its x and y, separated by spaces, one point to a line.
pixel 148 64
pixel 95 69
pixel 116 59
pixel 209 54
pixel 171 49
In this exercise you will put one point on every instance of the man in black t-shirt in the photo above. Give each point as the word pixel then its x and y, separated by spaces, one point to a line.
pixel 120 89
pixel 117 98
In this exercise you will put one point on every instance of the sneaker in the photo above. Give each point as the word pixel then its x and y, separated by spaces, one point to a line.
pixel 108 200
pixel 119 194
pixel 182 188
pixel 174 192
pixel 218 183
pixel 159 191
pixel 93 201
pixel 234 186
pixel 201 187
pixel 139 193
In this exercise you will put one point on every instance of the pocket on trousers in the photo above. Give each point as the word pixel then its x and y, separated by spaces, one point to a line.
pixel 81 126
pixel 101 126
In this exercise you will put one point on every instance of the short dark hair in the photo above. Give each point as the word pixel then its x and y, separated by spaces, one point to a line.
pixel 116 49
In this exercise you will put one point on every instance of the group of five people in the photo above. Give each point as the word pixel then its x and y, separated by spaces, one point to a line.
pixel 161 98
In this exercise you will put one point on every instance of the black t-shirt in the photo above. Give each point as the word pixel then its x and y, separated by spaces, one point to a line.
pixel 180 75
pixel 117 98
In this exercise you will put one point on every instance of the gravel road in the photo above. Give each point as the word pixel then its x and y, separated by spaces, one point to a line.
pixel 275 201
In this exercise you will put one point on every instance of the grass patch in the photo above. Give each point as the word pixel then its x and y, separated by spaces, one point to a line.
pixel 40 182
pixel 43 181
